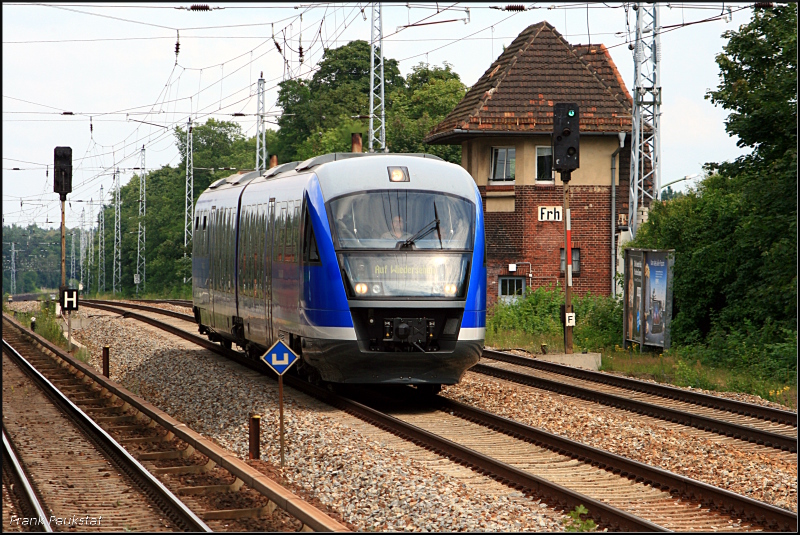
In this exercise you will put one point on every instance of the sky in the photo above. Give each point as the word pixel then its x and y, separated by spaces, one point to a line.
pixel 114 67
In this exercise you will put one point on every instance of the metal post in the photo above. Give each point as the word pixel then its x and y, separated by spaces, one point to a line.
pixel 101 245
pixel 565 178
pixel 261 128
pixel 63 247
pixel 13 269
pixel 376 83
pixel 255 437
pixel 141 240
pixel 33 328
pixel 116 282
pixel 69 330
pixel 280 397
pixel 106 360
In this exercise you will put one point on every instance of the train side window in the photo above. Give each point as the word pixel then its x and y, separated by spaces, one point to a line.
pixel 296 232
pixel 310 250
pixel 197 222
pixel 204 222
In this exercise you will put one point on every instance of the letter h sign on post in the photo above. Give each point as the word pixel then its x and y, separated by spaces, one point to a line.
pixel 69 299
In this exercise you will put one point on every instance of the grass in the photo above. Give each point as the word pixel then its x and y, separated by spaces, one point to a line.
pixel 759 361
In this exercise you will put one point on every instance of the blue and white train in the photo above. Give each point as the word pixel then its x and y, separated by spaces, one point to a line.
pixel 372 267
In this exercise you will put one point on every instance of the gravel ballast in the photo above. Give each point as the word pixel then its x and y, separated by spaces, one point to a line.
pixel 766 475
pixel 366 477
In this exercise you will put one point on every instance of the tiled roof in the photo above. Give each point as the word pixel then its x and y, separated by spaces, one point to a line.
pixel 517 92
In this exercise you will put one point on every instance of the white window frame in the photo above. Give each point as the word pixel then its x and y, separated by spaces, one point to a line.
pixel 491 165
pixel 576 261
pixel 509 298
pixel 552 171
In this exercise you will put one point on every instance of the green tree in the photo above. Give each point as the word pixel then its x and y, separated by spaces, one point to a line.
pixel 338 91
pixel 736 236
pixel 430 94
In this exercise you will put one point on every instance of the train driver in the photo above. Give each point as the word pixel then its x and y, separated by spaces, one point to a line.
pixel 397 231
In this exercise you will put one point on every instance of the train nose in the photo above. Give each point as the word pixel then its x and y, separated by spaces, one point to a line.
pixel 403 330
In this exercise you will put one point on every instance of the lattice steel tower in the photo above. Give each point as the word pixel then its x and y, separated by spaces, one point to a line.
pixel 101 245
pixel 116 278
pixel 90 248
pixel 140 244
pixel 377 110
pixel 13 269
pixel 189 204
pixel 83 242
pixel 72 255
pixel 262 161
pixel 646 143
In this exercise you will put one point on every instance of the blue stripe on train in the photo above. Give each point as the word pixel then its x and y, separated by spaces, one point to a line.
pixel 324 294
pixel 475 307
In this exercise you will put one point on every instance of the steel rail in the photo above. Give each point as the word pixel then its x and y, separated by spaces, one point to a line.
pixel 704 493
pixel 697 398
pixel 742 432
pixel 312 518
pixel 11 461
pixel 602 512
pixel 165 312
pixel 110 447
pixel 716 497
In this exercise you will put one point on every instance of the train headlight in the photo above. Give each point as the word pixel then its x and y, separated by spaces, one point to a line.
pixel 450 289
pixel 361 288
pixel 376 288
pixel 398 174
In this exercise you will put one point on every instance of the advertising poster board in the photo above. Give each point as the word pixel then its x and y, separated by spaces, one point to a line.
pixel 648 297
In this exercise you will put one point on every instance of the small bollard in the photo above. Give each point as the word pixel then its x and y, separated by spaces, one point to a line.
pixel 105 361
pixel 255 436
pixel 33 324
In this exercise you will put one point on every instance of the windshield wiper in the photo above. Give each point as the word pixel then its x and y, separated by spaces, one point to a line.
pixel 424 231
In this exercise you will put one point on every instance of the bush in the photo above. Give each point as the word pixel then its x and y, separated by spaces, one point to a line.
pixel 598 325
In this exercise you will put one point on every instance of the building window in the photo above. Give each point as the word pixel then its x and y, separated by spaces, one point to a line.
pixel 544 164
pixel 511 288
pixel 576 261
pixel 503 163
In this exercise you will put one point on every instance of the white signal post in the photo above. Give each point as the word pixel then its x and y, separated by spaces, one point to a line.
pixel 280 358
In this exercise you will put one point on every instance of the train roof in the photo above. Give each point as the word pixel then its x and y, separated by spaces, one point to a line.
pixel 345 172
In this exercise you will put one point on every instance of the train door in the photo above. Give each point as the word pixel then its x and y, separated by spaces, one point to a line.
pixel 213 254
pixel 268 299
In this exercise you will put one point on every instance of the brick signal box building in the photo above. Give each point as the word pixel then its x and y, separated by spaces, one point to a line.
pixel 503 125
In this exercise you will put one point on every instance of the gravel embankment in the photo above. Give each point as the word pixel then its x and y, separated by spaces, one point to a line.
pixel 372 485
pixel 770 476
pixel 736 396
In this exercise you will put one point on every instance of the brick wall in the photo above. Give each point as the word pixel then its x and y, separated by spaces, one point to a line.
pixel 519 236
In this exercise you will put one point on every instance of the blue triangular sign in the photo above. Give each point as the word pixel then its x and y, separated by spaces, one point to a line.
pixel 279 357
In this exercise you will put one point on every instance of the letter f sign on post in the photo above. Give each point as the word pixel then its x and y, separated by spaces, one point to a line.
pixel 280 358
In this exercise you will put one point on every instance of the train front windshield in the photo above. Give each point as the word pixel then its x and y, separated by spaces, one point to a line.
pixel 404 243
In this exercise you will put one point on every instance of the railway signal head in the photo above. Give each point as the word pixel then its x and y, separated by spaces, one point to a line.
pixel 62 171
pixel 566 137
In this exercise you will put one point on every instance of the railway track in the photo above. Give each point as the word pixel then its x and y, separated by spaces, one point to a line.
pixel 744 421
pixel 226 493
pixel 631 495
pixel 80 475
pixel 754 423
pixel 19 497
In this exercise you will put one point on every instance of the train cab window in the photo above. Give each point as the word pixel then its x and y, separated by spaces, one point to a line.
pixel 511 288
pixel 310 250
